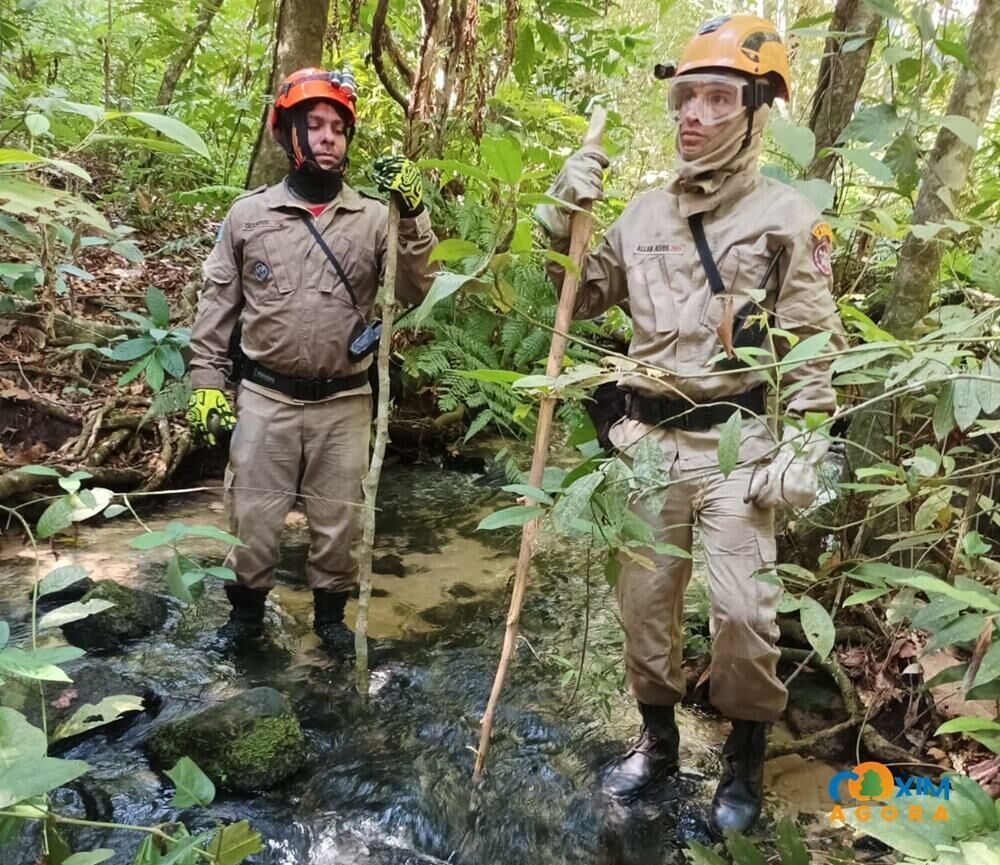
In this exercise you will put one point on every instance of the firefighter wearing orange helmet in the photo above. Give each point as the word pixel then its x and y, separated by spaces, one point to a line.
pixel 288 295
pixel 701 262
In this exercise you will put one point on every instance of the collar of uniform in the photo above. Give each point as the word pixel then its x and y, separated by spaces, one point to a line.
pixel 734 186
pixel 280 197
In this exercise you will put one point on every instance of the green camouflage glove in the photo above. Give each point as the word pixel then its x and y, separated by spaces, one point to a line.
pixel 397 174
pixel 209 413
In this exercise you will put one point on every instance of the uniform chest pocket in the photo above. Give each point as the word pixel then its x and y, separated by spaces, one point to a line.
pixel 264 271
pixel 355 265
pixel 748 287
pixel 651 297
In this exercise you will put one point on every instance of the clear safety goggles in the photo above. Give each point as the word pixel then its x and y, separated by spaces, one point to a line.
pixel 712 99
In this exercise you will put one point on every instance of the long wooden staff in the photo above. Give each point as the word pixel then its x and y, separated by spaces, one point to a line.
pixel 387 306
pixel 580 227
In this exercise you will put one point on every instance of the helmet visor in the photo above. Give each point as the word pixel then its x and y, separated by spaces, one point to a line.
pixel 712 99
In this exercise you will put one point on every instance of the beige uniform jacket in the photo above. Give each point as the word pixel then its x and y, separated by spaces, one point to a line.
pixel 297 315
pixel 648 257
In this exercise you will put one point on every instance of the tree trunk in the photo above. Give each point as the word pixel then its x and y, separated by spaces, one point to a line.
pixel 947 169
pixel 840 78
pixel 299 43
pixel 107 56
pixel 180 61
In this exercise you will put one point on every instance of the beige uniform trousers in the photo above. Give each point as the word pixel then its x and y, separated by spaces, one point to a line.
pixel 738 539
pixel 280 448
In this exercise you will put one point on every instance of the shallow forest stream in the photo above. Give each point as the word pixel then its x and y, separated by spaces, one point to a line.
pixel 388 779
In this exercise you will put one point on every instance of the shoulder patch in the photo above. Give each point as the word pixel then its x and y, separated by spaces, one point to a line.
pixel 821 257
pixel 821 231
pixel 250 192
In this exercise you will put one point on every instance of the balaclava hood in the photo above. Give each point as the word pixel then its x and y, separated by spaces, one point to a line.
pixel 723 170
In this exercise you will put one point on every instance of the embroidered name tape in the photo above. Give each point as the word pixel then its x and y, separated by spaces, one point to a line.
pixel 660 248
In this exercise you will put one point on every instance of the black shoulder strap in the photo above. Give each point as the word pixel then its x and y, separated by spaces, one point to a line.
pixel 705 254
pixel 772 267
pixel 307 219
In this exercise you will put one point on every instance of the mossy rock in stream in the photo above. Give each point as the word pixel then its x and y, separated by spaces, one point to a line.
pixel 135 614
pixel 250 742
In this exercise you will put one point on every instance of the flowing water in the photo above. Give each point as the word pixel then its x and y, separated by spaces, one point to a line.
pixel 388 779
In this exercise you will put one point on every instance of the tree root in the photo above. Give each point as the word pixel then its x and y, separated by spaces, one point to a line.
pixel 122 420
pixel 449 418
pixel 148 454
pixel 88 434
pixel 107 447
pixel 65 326
pixel 163 461
pixel 13 483
pixel 181 450
pixel 854 635
pixel 883 750
pixel 54 410
pixel 51 373
pixel 828 743
pixel 985 772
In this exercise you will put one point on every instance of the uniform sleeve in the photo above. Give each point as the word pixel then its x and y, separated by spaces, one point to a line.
pixel 414 273
pixel 805 306
pixel 219 309
pixel 603 282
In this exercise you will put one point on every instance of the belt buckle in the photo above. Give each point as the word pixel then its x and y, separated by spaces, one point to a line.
pixel 304 390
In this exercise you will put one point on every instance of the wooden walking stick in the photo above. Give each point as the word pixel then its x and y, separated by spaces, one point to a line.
pixel 414 109
pixel 387 305
pixel 580 227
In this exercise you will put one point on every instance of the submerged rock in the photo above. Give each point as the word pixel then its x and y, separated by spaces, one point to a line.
pixel 135 614
pixel 250 742
pixel 73 592
pixel 95 684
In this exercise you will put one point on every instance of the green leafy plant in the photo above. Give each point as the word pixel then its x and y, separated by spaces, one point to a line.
pixel 185 575
pixel 787 841
pixel 156 352
pixel 28 775
pixel 76 505
pixel 970 834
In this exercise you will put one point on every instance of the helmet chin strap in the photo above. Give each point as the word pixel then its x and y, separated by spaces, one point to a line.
pixel 756 93
pixel 300 153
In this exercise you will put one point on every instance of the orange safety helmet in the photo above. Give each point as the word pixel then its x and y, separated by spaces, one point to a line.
pixel 313 83
pixel 740 43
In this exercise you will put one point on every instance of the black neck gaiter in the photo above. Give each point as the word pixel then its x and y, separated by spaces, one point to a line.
pixel 315 185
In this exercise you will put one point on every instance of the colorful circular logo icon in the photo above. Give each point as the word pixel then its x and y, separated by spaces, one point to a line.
pixel 871 782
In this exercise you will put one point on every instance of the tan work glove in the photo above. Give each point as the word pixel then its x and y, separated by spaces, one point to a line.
pixel 789 480
pixel 581 179
pixel 209 413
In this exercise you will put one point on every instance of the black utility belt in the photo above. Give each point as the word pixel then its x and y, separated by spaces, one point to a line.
pixel 693 416
pixel 301 389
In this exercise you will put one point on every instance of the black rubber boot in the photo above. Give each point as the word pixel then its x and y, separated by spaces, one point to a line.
pixel 246 619
pixel 653 756
pixel 740 794
pixel 328 621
